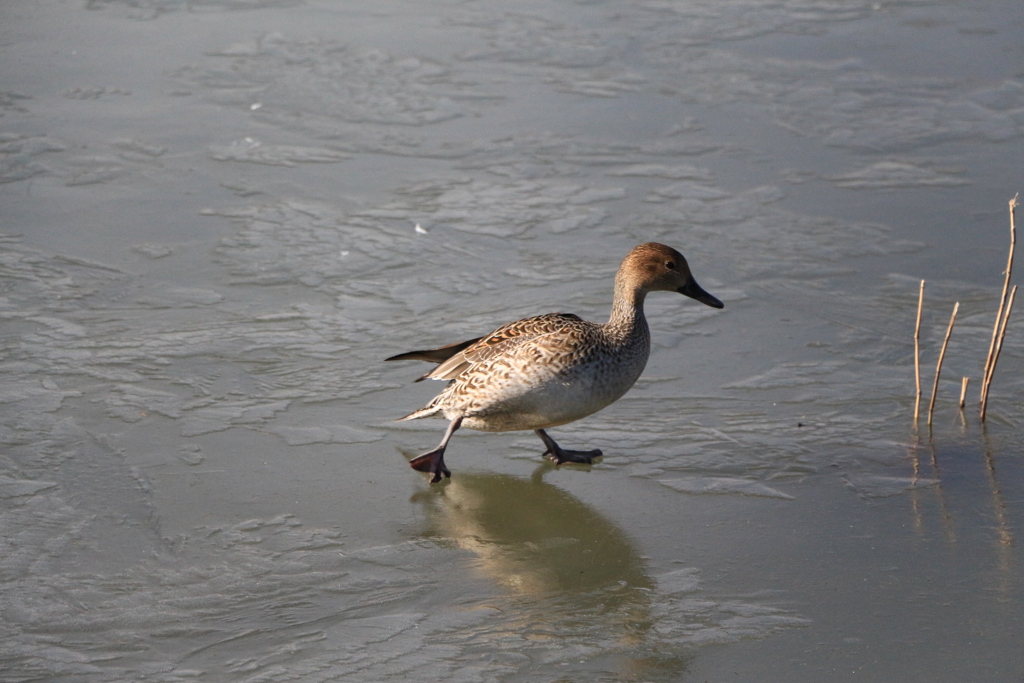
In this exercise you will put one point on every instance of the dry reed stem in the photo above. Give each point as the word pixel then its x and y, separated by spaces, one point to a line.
pixel 963 391
pixel 917 353
pixel 998 350
pixel 942 355
pixel 986 375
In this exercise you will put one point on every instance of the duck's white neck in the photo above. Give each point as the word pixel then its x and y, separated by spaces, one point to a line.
pixel 627 319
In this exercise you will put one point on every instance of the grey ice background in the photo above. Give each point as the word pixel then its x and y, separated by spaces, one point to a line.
pixel 209 213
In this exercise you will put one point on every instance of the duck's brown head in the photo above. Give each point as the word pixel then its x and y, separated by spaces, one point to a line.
pixel 653 267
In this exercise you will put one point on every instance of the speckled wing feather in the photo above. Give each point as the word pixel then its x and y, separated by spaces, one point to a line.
pixel 503 341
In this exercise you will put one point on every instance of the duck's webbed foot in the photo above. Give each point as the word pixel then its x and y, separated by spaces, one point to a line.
pixel 432 462
pixel 561 455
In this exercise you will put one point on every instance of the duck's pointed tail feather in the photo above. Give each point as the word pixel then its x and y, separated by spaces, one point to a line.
pixel 436 355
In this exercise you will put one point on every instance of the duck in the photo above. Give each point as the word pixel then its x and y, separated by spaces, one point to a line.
pixel 553 369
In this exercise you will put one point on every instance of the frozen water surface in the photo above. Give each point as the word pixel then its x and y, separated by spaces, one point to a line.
pixel 219 217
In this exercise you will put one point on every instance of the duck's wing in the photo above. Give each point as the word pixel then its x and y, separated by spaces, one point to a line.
pixel 503 341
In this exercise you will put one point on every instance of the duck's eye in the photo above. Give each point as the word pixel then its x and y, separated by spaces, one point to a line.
pixel 671 265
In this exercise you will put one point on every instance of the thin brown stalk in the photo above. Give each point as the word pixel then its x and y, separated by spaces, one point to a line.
pixel 917 352
pixel 998 350
pixel 963 391
pixel 986 375
pixel 942 355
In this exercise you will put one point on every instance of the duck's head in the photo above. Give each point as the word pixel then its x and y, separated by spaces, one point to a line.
pixel 654 267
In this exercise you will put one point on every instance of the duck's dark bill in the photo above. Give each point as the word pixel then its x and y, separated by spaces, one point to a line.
pixel 695 291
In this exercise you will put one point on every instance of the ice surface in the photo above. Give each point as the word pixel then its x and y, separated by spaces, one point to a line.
pixel 220 220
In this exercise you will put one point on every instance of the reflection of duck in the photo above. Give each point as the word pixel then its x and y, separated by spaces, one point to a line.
pixel 535 538
pixel 576 582
pixel 552 369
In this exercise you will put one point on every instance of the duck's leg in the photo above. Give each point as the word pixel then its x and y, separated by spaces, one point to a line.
pixel 560 455
pixel 432 462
